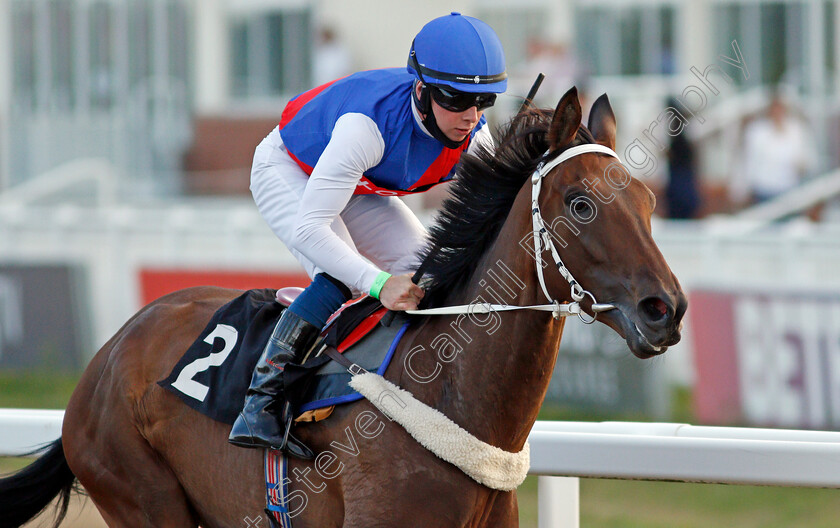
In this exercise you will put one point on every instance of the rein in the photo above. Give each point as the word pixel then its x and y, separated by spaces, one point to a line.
pixel 542 241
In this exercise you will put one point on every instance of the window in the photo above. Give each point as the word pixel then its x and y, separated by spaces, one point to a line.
pixel 630 29
pixel 271 53
pixel 139 38
pixel 62 44
pixel 70 56
pixel 23 52
pixel 98 78
pixel 515 27
pixel 627 40
pixel 775 28
pixel 830 35
pixel 178 38
pixel 101 55
pixel 771 36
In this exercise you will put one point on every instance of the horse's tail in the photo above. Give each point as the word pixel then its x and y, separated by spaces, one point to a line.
pixel 25 494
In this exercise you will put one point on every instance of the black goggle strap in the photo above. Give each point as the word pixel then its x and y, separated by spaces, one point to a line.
pixel 423 102
pixel 415 64
pixel 454 77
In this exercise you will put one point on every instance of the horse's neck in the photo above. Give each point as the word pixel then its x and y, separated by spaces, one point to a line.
pixel 495 385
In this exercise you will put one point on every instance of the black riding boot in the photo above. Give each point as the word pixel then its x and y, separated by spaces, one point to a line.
pixel 265 420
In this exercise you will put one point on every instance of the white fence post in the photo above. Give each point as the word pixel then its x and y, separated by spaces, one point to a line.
pixel 559 502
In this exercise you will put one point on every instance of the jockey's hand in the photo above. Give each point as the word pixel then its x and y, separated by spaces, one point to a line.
pixel 399 293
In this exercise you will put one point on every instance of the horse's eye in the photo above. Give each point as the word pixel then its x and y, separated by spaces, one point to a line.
pixel 581 207
pixel 571 197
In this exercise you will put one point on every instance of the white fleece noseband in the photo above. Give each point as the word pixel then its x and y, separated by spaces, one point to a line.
pixel 484 463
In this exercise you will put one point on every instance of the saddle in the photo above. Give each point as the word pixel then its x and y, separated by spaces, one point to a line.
pixel 214 373
pixel 351 322
pixel 317 385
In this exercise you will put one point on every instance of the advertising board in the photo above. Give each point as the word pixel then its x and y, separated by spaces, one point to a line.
pixel 44 320
pixel 767 359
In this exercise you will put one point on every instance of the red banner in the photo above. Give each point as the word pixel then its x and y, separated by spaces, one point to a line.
pixel 156 282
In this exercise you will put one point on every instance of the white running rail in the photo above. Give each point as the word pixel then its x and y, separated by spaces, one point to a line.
pixel 63 179
pixel 797 200
pixel 22 430
pixel 563 451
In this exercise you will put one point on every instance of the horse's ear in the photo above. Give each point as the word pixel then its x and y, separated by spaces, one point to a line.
pixel 566 120
pixel 602 121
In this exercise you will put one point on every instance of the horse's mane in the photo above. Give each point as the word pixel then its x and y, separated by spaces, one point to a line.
pixel 479 201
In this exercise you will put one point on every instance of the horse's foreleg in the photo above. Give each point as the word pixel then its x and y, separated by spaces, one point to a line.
pixel 504 511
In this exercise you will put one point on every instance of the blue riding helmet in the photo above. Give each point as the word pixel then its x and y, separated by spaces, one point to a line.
pixel 460 52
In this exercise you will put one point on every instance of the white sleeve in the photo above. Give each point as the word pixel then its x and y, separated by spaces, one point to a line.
pixel 356 145
pixel 483 139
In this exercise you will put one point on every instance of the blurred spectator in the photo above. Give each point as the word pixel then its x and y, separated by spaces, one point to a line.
pixel 682 195
pixel 331 59
pixel 777 152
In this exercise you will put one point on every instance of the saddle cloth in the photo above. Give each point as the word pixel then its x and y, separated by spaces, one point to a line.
pixel 214 373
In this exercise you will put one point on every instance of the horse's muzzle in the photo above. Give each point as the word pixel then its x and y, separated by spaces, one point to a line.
pixel 651 326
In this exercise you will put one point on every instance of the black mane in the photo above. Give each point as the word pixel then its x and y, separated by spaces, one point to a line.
pixel 480 199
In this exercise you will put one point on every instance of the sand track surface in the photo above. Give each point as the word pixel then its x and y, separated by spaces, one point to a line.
pixel 81 514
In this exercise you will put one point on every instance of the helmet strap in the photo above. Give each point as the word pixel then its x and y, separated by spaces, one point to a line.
pixel 424 105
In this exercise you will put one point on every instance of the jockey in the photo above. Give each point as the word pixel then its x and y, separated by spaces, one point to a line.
pixel 327 179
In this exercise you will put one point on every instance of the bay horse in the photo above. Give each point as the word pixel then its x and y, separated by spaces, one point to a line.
pixel 147 459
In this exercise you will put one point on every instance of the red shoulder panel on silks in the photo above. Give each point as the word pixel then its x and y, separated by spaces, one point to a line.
pixel 362 330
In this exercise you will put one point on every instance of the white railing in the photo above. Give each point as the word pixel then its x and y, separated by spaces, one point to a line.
pixel 22 430
pixel 99 174
pixel 673 452
pixel 819 190
pixel 563 451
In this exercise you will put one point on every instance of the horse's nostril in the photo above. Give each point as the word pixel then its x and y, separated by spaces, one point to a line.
pixel 654 308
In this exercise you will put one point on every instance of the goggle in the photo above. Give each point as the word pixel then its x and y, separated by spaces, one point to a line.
pixel 461 101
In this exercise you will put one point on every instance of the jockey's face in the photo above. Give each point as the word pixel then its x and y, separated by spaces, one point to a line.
pixel 454 125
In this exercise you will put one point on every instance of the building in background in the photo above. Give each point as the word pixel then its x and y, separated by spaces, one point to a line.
pixel 175 93
pixel 96 79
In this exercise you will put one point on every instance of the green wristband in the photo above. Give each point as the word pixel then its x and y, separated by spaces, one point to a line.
pixel 378 283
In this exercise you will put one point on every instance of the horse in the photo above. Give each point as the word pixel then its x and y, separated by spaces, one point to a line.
pixel 146 459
